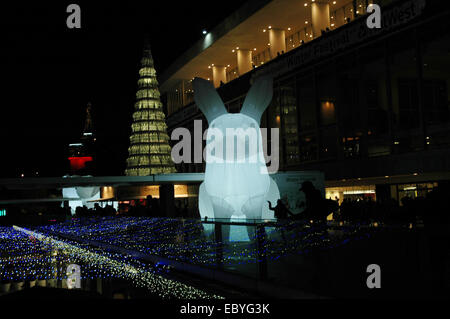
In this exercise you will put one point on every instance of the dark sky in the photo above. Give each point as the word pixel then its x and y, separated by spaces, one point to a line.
pixel 49 73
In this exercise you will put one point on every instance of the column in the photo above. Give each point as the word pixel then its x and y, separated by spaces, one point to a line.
pixel 320 14
pixel 339 19
pixel 244 61
pixel 219 74
pixel 193 191
pixel 277 40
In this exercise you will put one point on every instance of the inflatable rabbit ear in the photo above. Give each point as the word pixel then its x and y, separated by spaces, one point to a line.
pixel 258 98
pixel 207 99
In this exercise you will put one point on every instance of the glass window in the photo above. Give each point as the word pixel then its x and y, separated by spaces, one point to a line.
pixel 351 115
pixel 328 142
pixel 326 88
pixel 436 76
pixel 375 90
pixel 288 104
pixel 308 122
pixel 404 80
pixel 327 112
pixel 274 121
pixel 306 104
pixel 348 79
pixel 408 103
pixel 308 147
pixel 326 91
pixel 411 191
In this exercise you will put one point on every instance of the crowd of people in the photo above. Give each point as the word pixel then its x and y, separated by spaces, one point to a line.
pixel 316 207
pixel 428 209
pixel 425 209
pixel 97 210
pixel 150 207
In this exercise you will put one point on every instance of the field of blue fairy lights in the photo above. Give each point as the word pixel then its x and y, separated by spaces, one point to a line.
pixel 33 254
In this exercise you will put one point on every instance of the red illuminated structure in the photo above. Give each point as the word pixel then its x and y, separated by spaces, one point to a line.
pixel 80 154
pixel 79 163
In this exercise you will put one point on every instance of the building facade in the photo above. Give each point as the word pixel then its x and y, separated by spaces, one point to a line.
pixel 368 107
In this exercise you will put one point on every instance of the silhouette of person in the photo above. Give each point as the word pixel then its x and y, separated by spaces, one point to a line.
pixel 313 204
pixel 280 211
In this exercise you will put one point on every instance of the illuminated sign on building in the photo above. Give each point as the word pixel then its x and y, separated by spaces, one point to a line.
pixel 2 212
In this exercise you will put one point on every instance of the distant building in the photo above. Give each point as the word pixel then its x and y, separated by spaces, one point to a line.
pixel 81 152
pixel 368 107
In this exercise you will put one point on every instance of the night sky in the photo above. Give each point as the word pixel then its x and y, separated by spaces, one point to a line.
pixel 49 73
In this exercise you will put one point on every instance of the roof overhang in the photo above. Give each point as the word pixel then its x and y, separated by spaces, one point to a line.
pixel 243 29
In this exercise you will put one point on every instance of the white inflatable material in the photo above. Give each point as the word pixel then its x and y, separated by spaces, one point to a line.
pixel 239 185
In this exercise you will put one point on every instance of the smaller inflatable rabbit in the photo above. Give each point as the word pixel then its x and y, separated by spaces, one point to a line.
pixel 238 184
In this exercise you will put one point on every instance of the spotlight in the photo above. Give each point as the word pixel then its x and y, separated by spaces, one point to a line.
pixel 204 32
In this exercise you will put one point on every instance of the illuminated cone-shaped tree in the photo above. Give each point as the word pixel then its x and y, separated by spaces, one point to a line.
pixel 149 151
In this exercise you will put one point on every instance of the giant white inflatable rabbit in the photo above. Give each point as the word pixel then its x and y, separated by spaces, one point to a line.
pixel 240 184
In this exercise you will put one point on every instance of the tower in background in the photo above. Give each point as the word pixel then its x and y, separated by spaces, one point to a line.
pixel 149 152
